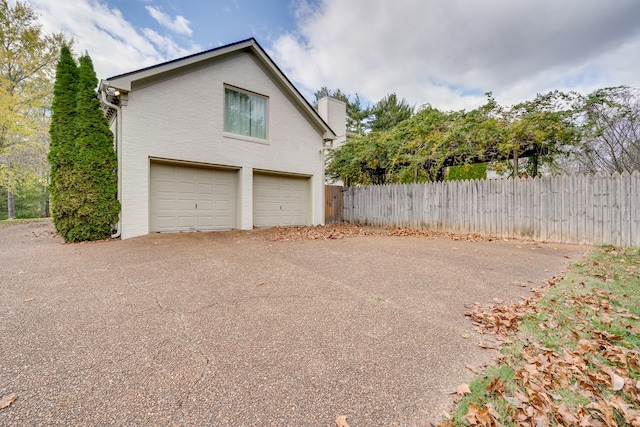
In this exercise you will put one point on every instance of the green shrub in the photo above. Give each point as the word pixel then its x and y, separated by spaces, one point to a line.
pixel 462 172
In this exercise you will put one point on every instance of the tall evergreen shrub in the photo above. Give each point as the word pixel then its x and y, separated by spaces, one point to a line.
pixel 84 182
pixel 62 143
pixel 95 163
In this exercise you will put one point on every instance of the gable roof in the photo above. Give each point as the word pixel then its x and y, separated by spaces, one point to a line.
pixel 124 81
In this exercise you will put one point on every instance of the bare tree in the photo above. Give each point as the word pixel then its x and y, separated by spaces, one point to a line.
pixel 611 139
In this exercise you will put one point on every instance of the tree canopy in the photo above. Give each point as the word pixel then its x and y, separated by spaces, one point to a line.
pixel 421 146
pixel 389 112
pixel 27 62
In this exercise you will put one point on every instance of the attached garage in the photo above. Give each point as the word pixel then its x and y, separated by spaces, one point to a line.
pixel 280 200
pixel 185 198
pixel 217 140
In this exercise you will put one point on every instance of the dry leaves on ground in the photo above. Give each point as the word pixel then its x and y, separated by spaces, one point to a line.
pixel 320 232
pixel 410 232
pixel 597 371
pixel 503 319
pixel 340 231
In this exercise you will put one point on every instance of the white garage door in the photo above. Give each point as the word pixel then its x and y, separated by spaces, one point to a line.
pixel 280 200
pixel 192 199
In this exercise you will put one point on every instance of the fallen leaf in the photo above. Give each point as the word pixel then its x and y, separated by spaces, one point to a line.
pixel 463 389
pixel 521 397
pixel 566 414
pixel 487 346
pixel 493 412
pixel 605 412
pixel 475 371
pixel 8 400
pixel 513 400
pixel 341 421
pixel 478 416
pixel 542 421
pixel 617 382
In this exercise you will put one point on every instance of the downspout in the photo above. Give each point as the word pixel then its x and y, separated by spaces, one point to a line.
pixel 117 145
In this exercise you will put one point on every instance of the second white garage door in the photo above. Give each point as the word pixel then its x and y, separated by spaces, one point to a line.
pixel 280 200
pixel 192 199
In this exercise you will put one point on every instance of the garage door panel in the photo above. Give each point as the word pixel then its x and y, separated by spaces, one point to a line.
pixel 205 188
pixel 166 186
pixel 206 205
pixel 164 204
pixel 185 204
pixel 185 222
pixel 188 199
pixel 165 222
pixel 186 187
pixel 280 200
pixel 221 220
pixel 222 206
pixel 223 189
pixel 206 222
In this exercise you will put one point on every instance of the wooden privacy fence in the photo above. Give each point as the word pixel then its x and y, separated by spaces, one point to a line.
pixel 582 209
pixel 333 204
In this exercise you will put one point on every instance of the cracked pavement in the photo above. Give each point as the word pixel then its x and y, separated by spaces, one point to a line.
pixel 228 328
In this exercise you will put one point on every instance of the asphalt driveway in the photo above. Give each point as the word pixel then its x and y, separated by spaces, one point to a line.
pixel 233 329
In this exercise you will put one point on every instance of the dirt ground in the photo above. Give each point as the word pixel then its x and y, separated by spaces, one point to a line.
pixel 248 328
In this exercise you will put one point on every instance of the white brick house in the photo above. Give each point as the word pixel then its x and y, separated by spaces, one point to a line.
pixel 216 140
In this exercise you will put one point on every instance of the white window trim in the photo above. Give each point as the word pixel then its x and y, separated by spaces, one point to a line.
pixel 240 136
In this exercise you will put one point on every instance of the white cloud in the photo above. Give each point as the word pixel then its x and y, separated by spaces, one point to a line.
pixel 114 44
pixel 166 44
pixel 448 53
pixel 179 24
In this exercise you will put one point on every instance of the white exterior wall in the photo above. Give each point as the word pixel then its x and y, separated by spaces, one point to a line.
pixel 182 119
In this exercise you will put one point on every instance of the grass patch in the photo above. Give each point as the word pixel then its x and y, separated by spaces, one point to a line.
pixel 572 353
pixel 10 222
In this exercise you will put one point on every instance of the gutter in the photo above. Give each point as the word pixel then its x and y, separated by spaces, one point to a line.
pixel 117 145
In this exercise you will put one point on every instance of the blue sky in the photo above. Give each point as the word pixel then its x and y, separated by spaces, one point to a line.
pixel 211 23
pixel 447 53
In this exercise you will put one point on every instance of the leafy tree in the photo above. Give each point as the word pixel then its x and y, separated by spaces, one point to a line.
pixel 364 159
pixel 389 112
pixel 421 147
pixel 27 60
pixel 64 205
pixel 29 201
pixel 611 123
pixel 540 130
